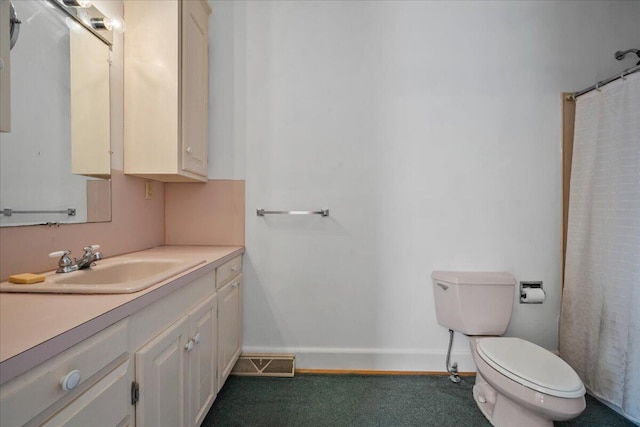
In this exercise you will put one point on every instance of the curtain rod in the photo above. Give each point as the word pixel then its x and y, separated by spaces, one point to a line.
pixel 601 83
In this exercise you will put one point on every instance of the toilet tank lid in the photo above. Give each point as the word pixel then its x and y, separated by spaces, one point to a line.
pixel 474 277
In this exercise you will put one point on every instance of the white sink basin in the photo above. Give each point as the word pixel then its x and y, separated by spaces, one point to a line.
pixel 126 271
pixel 115 276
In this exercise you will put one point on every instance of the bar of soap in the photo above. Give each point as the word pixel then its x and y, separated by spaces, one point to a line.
pixel 26 278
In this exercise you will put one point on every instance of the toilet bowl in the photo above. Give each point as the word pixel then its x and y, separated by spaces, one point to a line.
pixel 520 383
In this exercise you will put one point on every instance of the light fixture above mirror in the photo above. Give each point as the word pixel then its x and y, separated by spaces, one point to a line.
pixel 77 3
pixel 101 24
pixel 15 23
pixel 89 17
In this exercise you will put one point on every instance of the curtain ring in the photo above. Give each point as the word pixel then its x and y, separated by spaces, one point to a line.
pixel 623 76
pixel 598 87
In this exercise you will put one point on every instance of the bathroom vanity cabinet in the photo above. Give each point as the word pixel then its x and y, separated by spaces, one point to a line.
pixel 229 284
pixel 180 371
pixel 161 365
pixel 166 81
pixel 88 380
pixel 176 370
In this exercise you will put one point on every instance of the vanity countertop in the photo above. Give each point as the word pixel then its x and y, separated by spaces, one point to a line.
pixel 35 327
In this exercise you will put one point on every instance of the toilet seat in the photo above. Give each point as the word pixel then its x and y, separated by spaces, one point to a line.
pixel 531 365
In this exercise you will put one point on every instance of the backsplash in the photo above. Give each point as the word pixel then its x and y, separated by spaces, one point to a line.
pixel 211 213
pixel 136 224
pixel 204 214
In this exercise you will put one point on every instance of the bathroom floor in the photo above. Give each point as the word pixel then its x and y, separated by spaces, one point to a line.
pixel 363 400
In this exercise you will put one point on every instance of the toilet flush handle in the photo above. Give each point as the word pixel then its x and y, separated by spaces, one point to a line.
pixel 443 286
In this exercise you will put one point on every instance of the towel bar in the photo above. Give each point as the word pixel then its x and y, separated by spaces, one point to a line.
pixel 9 212
pixel 262 212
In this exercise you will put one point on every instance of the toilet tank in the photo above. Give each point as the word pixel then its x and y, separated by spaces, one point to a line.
pixel 474 303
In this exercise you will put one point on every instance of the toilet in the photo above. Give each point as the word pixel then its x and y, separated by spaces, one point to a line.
pixel 518 383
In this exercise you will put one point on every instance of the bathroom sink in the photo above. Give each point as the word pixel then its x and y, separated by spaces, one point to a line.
pixel 115 276
pixel 126 271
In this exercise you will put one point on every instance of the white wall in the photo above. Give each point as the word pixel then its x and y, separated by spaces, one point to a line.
pixel 432 131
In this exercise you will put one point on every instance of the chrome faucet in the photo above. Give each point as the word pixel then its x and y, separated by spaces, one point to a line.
pixel 66 265
pixel 89 258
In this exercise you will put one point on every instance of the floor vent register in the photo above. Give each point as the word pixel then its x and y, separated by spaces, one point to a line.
pixel 265 365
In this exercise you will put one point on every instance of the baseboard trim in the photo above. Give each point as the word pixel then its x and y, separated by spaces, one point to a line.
pixel 370 372
pixel 370 359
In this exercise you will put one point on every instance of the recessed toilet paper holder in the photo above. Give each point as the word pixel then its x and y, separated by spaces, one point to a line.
pixel 524 287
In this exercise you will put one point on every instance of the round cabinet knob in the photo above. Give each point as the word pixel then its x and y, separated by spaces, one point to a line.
pixel 189 345
pixel 189 150
pixel 196 339
pixel 234 268
pixel 70 381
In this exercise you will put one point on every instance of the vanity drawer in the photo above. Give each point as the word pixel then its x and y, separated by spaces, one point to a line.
pixel 31 393
pixel 228 270
pixel 105 404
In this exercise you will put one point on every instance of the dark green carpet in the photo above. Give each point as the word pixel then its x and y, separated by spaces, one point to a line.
pixel 363 400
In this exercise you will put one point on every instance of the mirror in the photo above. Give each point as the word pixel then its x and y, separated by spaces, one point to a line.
pixel 55 158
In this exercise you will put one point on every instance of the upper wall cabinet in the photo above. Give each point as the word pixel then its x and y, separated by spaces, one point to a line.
pixel 166 84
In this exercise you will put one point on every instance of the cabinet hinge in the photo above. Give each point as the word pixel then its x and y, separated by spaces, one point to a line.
pixel 135 392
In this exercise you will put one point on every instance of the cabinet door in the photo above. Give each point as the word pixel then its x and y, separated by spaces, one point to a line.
pixel 229 327
pixel 90 108
pixel 161 372
pixel 151 88
pixel 106 403
pixel 203 359
pixel 195 86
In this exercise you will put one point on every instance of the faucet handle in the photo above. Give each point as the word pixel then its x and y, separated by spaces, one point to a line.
pixel 64 262
pixel 91 248
pixel 90 256
pixel 57 254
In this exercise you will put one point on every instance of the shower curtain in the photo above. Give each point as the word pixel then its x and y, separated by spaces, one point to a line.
pixel 600 316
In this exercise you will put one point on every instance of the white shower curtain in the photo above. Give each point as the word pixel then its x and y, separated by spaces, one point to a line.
pixel 600 316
